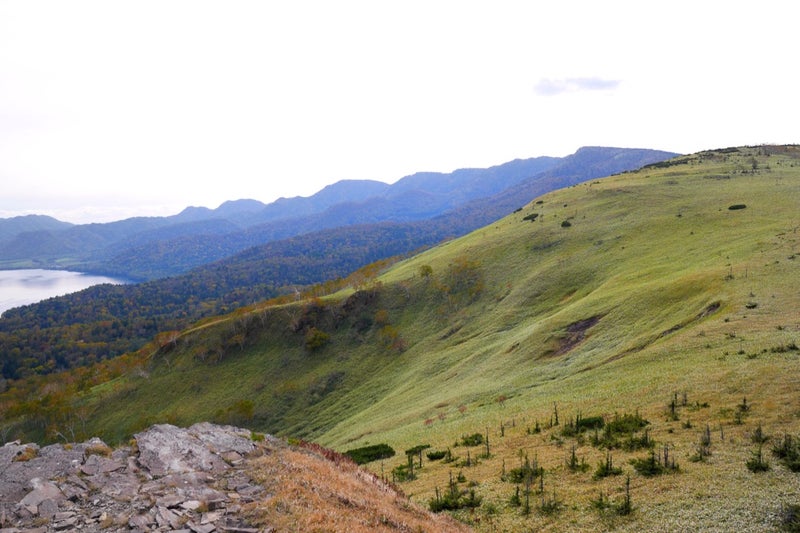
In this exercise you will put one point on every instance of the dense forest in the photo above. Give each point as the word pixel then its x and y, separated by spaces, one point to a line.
pixel 108 320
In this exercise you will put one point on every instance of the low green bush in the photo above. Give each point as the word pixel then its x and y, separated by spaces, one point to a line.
pixel 367 454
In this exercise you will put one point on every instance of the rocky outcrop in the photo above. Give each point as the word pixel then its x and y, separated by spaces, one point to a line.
pixel 169 479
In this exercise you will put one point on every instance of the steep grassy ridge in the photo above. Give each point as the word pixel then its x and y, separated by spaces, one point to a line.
pixel 619 296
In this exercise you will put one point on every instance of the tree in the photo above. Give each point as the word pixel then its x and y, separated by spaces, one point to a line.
pixel 316 339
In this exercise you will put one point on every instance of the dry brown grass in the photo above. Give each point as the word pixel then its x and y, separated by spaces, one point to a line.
pixel 310 493
pixel 27 454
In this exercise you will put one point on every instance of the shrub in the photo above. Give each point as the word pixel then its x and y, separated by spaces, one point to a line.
pixel 403 472
pixel 550 506
pixel 581 424
pixel 787 450
pixel 758 436
pixel 627 423
pixel 566 224
pixel 454 498
pixel 417 451
pixel 475 439
pixel 425 271
pixel 623 425
pixel 625 507
pixel 655 464
pixel 574 465
pixel 527 472
pixel 634 442
pixel 371 453
pixel 756 463
pixel 589 422
pixel 606 468
pixel 316 339
pixel 703 447
pixel 790 518
pixel 436 455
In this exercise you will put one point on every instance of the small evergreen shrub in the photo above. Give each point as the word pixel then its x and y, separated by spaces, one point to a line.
pixel 454 498
pixel 790 518
pixel 655 464
pixel 787 450
pixel 574 464
pixel 526 472
pixel 589 422
pixel 627 423
pixel 757 463
pixel 758 436
pixel 550 506
pixel 637 442
pixel 435 455
pixel 404 472
pixel 371 453
pixel 703 447
pixel 606 468
pixel 475 439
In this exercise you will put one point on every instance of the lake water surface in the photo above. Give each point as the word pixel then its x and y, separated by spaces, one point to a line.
pixel 23 287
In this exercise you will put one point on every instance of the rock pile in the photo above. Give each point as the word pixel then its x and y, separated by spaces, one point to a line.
pixel 169 479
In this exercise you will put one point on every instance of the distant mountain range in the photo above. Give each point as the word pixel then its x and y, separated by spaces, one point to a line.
pixel 224 271
pixel 146 248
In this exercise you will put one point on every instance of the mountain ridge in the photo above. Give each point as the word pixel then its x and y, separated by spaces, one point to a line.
pixel 244 223
pixel 113 319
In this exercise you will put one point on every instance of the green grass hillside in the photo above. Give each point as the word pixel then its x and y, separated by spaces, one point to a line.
pixel 670 294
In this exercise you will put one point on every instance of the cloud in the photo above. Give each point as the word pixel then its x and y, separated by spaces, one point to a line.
pixel 549 87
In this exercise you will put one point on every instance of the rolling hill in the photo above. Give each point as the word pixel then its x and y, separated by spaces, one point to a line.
pixel 105 321
pixel 646 322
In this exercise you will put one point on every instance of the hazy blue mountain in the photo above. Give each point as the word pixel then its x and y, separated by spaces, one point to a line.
pixel 153 247
pixel 407 206
pixel 11 227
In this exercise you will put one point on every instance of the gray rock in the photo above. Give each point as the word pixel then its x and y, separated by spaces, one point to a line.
pixel 68 524
pixel 175 480
pixel 167 518
pixel 222 439
pixel 141 521
pixel 48 508
pixel 97 464
pixel 42 490
pixel 165 449
pixel 201 528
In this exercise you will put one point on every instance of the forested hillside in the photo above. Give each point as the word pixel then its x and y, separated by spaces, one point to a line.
pixel 106 321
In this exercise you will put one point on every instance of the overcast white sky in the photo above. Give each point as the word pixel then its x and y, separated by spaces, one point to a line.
pixel 110 109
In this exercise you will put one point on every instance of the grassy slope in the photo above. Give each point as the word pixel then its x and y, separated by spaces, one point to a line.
pixel 647 255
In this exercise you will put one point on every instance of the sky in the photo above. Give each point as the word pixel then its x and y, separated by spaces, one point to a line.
pixel 111 109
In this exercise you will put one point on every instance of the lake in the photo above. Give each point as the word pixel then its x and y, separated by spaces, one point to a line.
pixel 23 287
